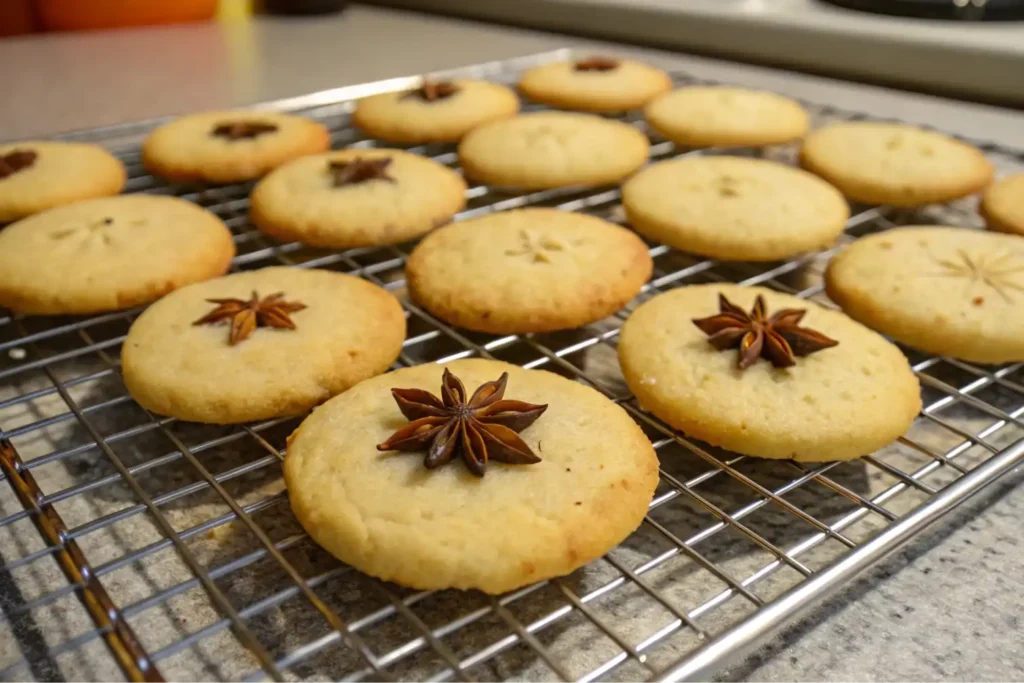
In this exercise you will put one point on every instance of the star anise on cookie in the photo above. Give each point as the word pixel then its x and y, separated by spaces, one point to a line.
pixel 359 170
pixel 480 429
pixel 243 130
pixel 597 64
pixel 777 338
pixel 431 91
pixel 246 316
pixel 15 161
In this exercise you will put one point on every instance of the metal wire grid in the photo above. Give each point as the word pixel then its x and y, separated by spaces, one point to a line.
pixel 132 545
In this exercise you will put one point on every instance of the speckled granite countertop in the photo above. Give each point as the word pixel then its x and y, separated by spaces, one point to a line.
pixel 947 607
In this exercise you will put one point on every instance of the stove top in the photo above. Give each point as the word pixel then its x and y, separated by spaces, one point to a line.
pixel 961 10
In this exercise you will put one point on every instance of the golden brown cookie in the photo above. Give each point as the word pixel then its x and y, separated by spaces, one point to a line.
pixel 441 111
pixel 387 515
pixel 1002 205
pixel 597 84
pixel 238 358
pixel 36 176
pixel 949 291
pixel 528 270
pixel 230 146
pixel 357 198
pixel 107 254
pixel 837 403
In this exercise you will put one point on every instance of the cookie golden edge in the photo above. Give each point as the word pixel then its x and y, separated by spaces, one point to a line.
pixel 620 515
pixel 659 81
pixel 995 218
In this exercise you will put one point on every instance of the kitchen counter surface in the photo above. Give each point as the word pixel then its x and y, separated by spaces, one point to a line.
pixel 947 607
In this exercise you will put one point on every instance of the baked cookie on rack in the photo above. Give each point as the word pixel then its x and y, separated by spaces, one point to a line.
pixel 230 146
pixel 1002 205
pixel 36 176
pixel 596 83
pixel 890 163
pixel 436 111
pixel 948 291
pixel 720 116
pixel 357 198
pixel 551 149
pixel 110 253
pixel 405 482
pixel 767 374
pixel 527 270
pixel 734 208
pixel 260 344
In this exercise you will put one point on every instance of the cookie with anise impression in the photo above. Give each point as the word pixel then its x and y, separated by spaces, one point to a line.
pixel 260 344
pixel 528 270
pixel 948 291
pixel 357 198
pixel 230 146
pixel 36 176
pixel 767 374
pixel 436 111
pixel 472 475
pixel 107 254
pixel 594 83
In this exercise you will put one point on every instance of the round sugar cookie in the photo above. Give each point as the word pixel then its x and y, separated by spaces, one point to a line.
pixel 36 176
pixel 343 330
pixel 552 149
pixel 890 163
pixel 719 116
pixel 948 291
pixel 107 254
pixel 387 515
pixel 733 208
pixel 1002 205
pixel 836 404
pixel 528 270
pixel 441 111
pixel 596 84
pixel 230 146
pixel 357 198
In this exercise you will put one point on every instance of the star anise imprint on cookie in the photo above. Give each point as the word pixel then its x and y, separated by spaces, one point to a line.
pixel 1002 272
pixel 480 429
pixel 246 316
pixel 359 170
pixel 597 64
pixel 539 248
pixel 432 91
pixel 16 160
pixel 243 130
pixel 778 338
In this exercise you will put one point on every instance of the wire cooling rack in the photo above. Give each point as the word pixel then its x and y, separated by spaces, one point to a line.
pixel 136 546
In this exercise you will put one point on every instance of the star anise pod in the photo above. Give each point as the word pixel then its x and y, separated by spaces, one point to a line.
pixel 16 160
pixel 778 338
pixel 431 91
pixel 480 429
pixel 240 130
pixel 597 64
pixel 359 170
pixel 246 316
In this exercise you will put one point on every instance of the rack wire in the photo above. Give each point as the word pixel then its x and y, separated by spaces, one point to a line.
pixel 136 546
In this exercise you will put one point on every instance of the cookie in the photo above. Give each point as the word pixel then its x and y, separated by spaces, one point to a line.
pixel 36 176
pixel 947 291
pixel 230 146
pixel 440 111
pixel 733 208
pixel 107 254
pixel 552 149
pixel 528 270
pixel 718 116
pixel 324 332
pixel 597 84
pixel 839 402
pixel 357 198
pixel 1002 205
pixel 890 163
pixel 386 514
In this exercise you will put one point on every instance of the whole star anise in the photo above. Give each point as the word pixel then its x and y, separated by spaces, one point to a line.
pixel 597 64
pixel 431 91
pixel 16 160
pixel 242 130
pixel 778 338
pixel 359 170
pixel 246 316
pixel 480 429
